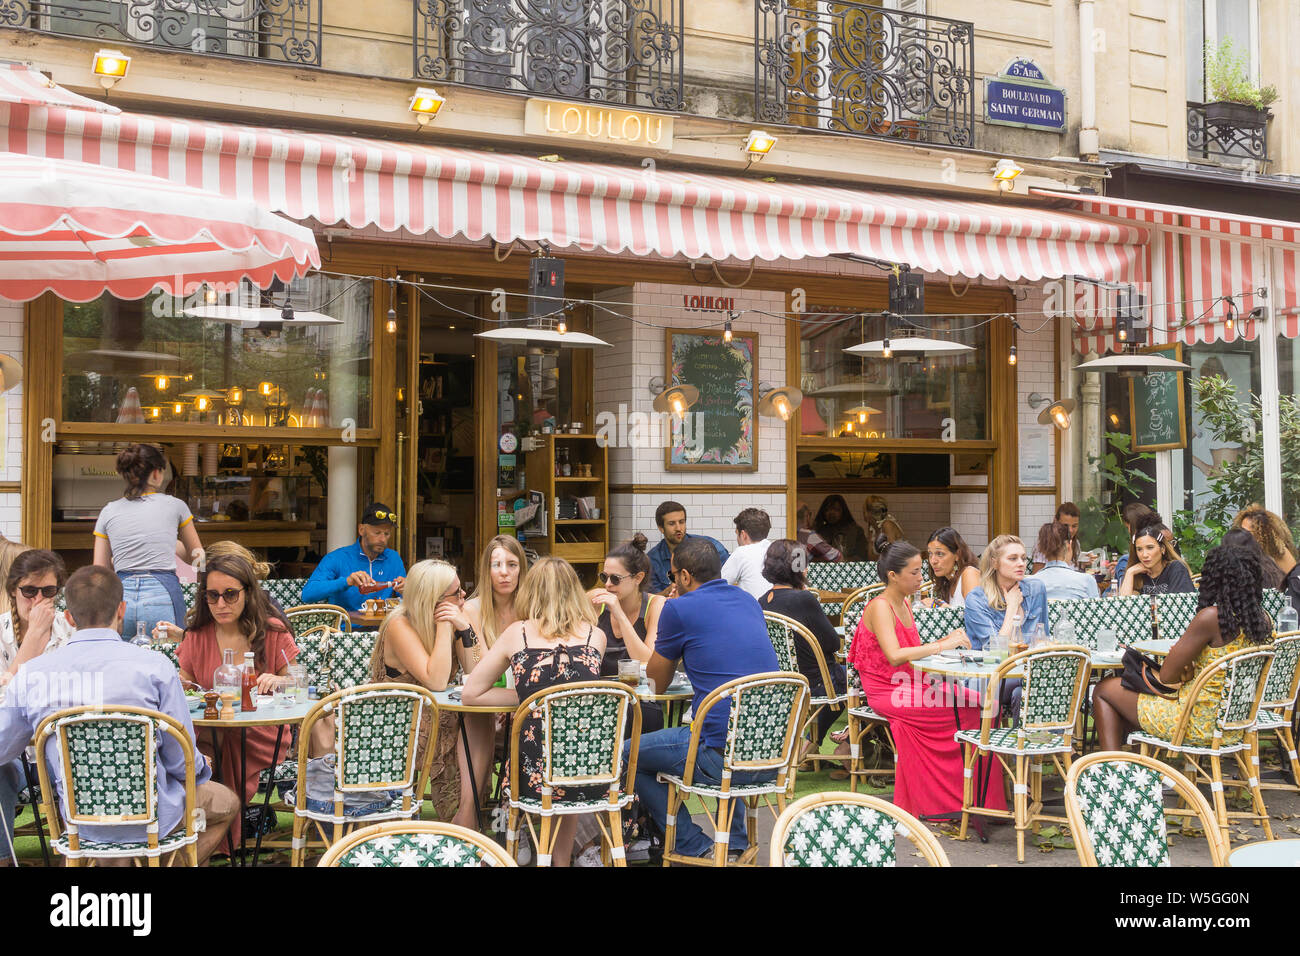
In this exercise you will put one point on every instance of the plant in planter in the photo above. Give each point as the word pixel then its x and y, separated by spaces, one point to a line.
pixel 1234 99
pixel 1102 524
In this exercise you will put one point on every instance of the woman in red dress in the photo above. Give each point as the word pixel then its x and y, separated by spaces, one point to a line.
pixel 232 611
pixel 928 777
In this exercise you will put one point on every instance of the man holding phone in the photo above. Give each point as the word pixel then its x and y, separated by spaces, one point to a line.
pixel 367 568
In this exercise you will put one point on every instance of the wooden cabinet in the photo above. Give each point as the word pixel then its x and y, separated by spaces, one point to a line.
pixel 581 536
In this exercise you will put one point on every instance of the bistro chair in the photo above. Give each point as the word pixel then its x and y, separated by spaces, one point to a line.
pixel 584 727
pixel 350 655
pixel 861 718
pixel 1174 613
pixel 1055 679
pixel 829 698
pixel 305 617
pixel 1274 602
pixel 30 796
pixel 766 713
pixel 377 729
pixel 418 843
pixel 1244 674
pixel 841 576
pixel 782 642
pixel 1116 807
pixel 1277 708
pixel 108 759
pixel 288 591
pixel 848 829
pixel 1130 617
pixel 934 623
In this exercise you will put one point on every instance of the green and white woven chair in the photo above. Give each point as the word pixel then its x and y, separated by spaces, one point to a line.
pixel 841 576
pixel 350 658
pixel 1129 617
pixel 168 650
pixel 1055 679
pixel 782 642
pixel 584 727
pixel 1277 708
pixel 848 829
pixel 1116 807
pixel 288 591
pixel 314 654
pixel 419 843
pixel 190 592
pixel 933 623
pixel 107 758
pixel 829 699
pixel 861 718
pixel 376 739
pixel 307 617
pixel 766 712
pixel 1174 612
pixel 1244 674
pixel 1273 603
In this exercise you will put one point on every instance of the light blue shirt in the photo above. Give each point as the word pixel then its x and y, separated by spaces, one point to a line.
pixel 1065 583
pixel 96 666
pixel 983 621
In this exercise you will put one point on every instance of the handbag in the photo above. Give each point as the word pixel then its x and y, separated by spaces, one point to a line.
pixel 1142 676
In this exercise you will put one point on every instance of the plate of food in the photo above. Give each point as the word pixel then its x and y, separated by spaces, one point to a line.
pixel 193 695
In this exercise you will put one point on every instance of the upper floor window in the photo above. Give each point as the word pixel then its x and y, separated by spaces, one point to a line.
pixel 1208 23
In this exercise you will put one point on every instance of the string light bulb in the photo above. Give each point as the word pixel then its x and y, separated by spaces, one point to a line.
pixel 862 418
pixel 1011 356
pixel 726 331
pixel 885 350
pixel 562 327
pixel 391 325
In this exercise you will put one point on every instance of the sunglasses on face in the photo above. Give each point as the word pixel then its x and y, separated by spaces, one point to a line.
pixel 613 580
pixel 229 595
pixel 452 595
pixel 30 591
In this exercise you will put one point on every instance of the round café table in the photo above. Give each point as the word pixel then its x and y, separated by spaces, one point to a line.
pixel 1266 853
pixel 1157 646
pixel 268 714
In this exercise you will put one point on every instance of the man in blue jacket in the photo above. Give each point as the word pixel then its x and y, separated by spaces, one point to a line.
pixel 671 518
pixel 368 561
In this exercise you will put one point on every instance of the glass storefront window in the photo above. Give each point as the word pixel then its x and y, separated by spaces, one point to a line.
pixel 208 371
pixel 935 397
pixel 1288 374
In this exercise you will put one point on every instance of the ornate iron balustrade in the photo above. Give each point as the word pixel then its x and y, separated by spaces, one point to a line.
pixel 857 68
pixel 284 30
pixel 621 52
pixel 1227 131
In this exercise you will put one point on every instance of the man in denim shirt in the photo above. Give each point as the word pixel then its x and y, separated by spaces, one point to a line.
pixel 96 667
pixel 719 634
pixel 670 516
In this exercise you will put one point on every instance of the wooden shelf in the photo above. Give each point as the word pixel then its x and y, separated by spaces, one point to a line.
pixel 593 479
pixel 539 467
pixel 568 521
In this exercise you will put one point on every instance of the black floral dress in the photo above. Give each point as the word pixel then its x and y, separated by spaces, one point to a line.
pixel 540 668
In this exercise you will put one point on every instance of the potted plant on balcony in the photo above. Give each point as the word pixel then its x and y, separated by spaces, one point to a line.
pixel 1235 100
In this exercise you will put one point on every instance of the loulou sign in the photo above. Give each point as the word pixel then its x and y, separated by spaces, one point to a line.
pixel 1021 96
pixel 598 124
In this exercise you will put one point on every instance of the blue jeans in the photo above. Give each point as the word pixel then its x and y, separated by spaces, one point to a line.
pixel 11 781
pixel 664 751
pixel 149 598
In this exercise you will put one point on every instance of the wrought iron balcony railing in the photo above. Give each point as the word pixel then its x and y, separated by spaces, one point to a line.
pixel 620 52
pixel 1227 132
pixel 283 30
pixel 854 67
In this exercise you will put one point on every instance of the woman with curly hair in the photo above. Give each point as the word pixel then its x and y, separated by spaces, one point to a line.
pixel 1275 540
pixel 1229 617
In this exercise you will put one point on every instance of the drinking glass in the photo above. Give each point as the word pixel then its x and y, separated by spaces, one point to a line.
pixel 1106 640
pixel 1037 636
pixel 298 682
pixel 629 672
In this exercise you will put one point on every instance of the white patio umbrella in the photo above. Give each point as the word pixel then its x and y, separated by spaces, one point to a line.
pixel 79 230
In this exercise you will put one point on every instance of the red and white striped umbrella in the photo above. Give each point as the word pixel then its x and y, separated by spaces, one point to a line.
pixel 79 230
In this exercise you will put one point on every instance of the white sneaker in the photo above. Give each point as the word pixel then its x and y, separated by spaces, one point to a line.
pixel 589 857
pixel 638 850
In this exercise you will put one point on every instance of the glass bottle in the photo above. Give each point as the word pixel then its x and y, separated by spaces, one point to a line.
pixel 1065 632
pixel 248 684
pixel 227 678
pixel 1288 620
pixel 141 639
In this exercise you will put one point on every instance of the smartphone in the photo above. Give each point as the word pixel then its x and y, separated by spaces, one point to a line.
pixel 454 695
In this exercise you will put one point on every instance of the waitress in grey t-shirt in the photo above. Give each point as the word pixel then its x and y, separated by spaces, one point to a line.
pixel 136 536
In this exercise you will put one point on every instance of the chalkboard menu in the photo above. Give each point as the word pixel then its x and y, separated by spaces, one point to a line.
pixel 720 431
pixel 1158 406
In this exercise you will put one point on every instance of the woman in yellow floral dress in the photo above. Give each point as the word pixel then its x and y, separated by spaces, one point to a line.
pixel 1230 617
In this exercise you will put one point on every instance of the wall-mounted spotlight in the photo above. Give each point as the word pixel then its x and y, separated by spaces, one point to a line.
pixel 1005 173
pixel 759 144
pixel 425 103
pixel 110 66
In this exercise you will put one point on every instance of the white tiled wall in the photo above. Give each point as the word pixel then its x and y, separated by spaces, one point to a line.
pixel 1036 372
pixel 11 402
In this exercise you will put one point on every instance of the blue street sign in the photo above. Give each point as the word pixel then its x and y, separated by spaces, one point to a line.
pixel 1022 96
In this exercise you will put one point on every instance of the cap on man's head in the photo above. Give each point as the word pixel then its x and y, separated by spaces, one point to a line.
pixel 377 513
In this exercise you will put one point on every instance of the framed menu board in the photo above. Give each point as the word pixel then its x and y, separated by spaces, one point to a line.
pixel 1157 406
pixel 720 431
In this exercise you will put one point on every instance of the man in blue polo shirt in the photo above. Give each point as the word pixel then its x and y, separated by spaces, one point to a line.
pixel 368 561
pixel 719 634
pixel 670 516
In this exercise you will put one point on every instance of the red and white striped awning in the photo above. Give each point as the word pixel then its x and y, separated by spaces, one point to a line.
pixel 1199 256
pixel 79 230
pixel 22 84
pixel 459 192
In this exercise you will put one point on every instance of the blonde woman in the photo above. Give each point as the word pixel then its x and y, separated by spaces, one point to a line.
pixel 1154 566
pixel 1005 595
pixel 556 643
pixel 414 646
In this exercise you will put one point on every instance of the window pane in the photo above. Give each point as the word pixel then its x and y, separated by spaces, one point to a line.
pixel 1233 22
pixel 186 369
pixel 1288 373
pixel 1194 21
pixel 906 396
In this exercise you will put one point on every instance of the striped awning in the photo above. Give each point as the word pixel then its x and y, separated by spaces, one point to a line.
pixel 460 192
pixel 22 84
pixel 1198 257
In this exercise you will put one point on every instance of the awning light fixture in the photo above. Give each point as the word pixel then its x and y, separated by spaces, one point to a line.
pixel 759 144
pixel 425 103
pixel 1005 173
pixel 110 66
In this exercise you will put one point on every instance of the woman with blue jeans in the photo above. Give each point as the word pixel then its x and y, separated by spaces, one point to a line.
pixel 137 536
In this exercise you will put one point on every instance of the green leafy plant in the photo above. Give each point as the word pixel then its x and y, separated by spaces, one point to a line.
pixel 1238 480
pixel 1102 524
pixel 1194 537
pixel 1228 80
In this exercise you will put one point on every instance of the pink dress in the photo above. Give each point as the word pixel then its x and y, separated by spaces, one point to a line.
pixel 928 778
pixel 200 655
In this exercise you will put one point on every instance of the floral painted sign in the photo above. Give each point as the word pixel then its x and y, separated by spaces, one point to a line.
pixel 718 432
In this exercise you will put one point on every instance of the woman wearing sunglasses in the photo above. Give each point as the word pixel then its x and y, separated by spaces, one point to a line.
pixel 628 616
pixel 30 627
pixel 232 612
